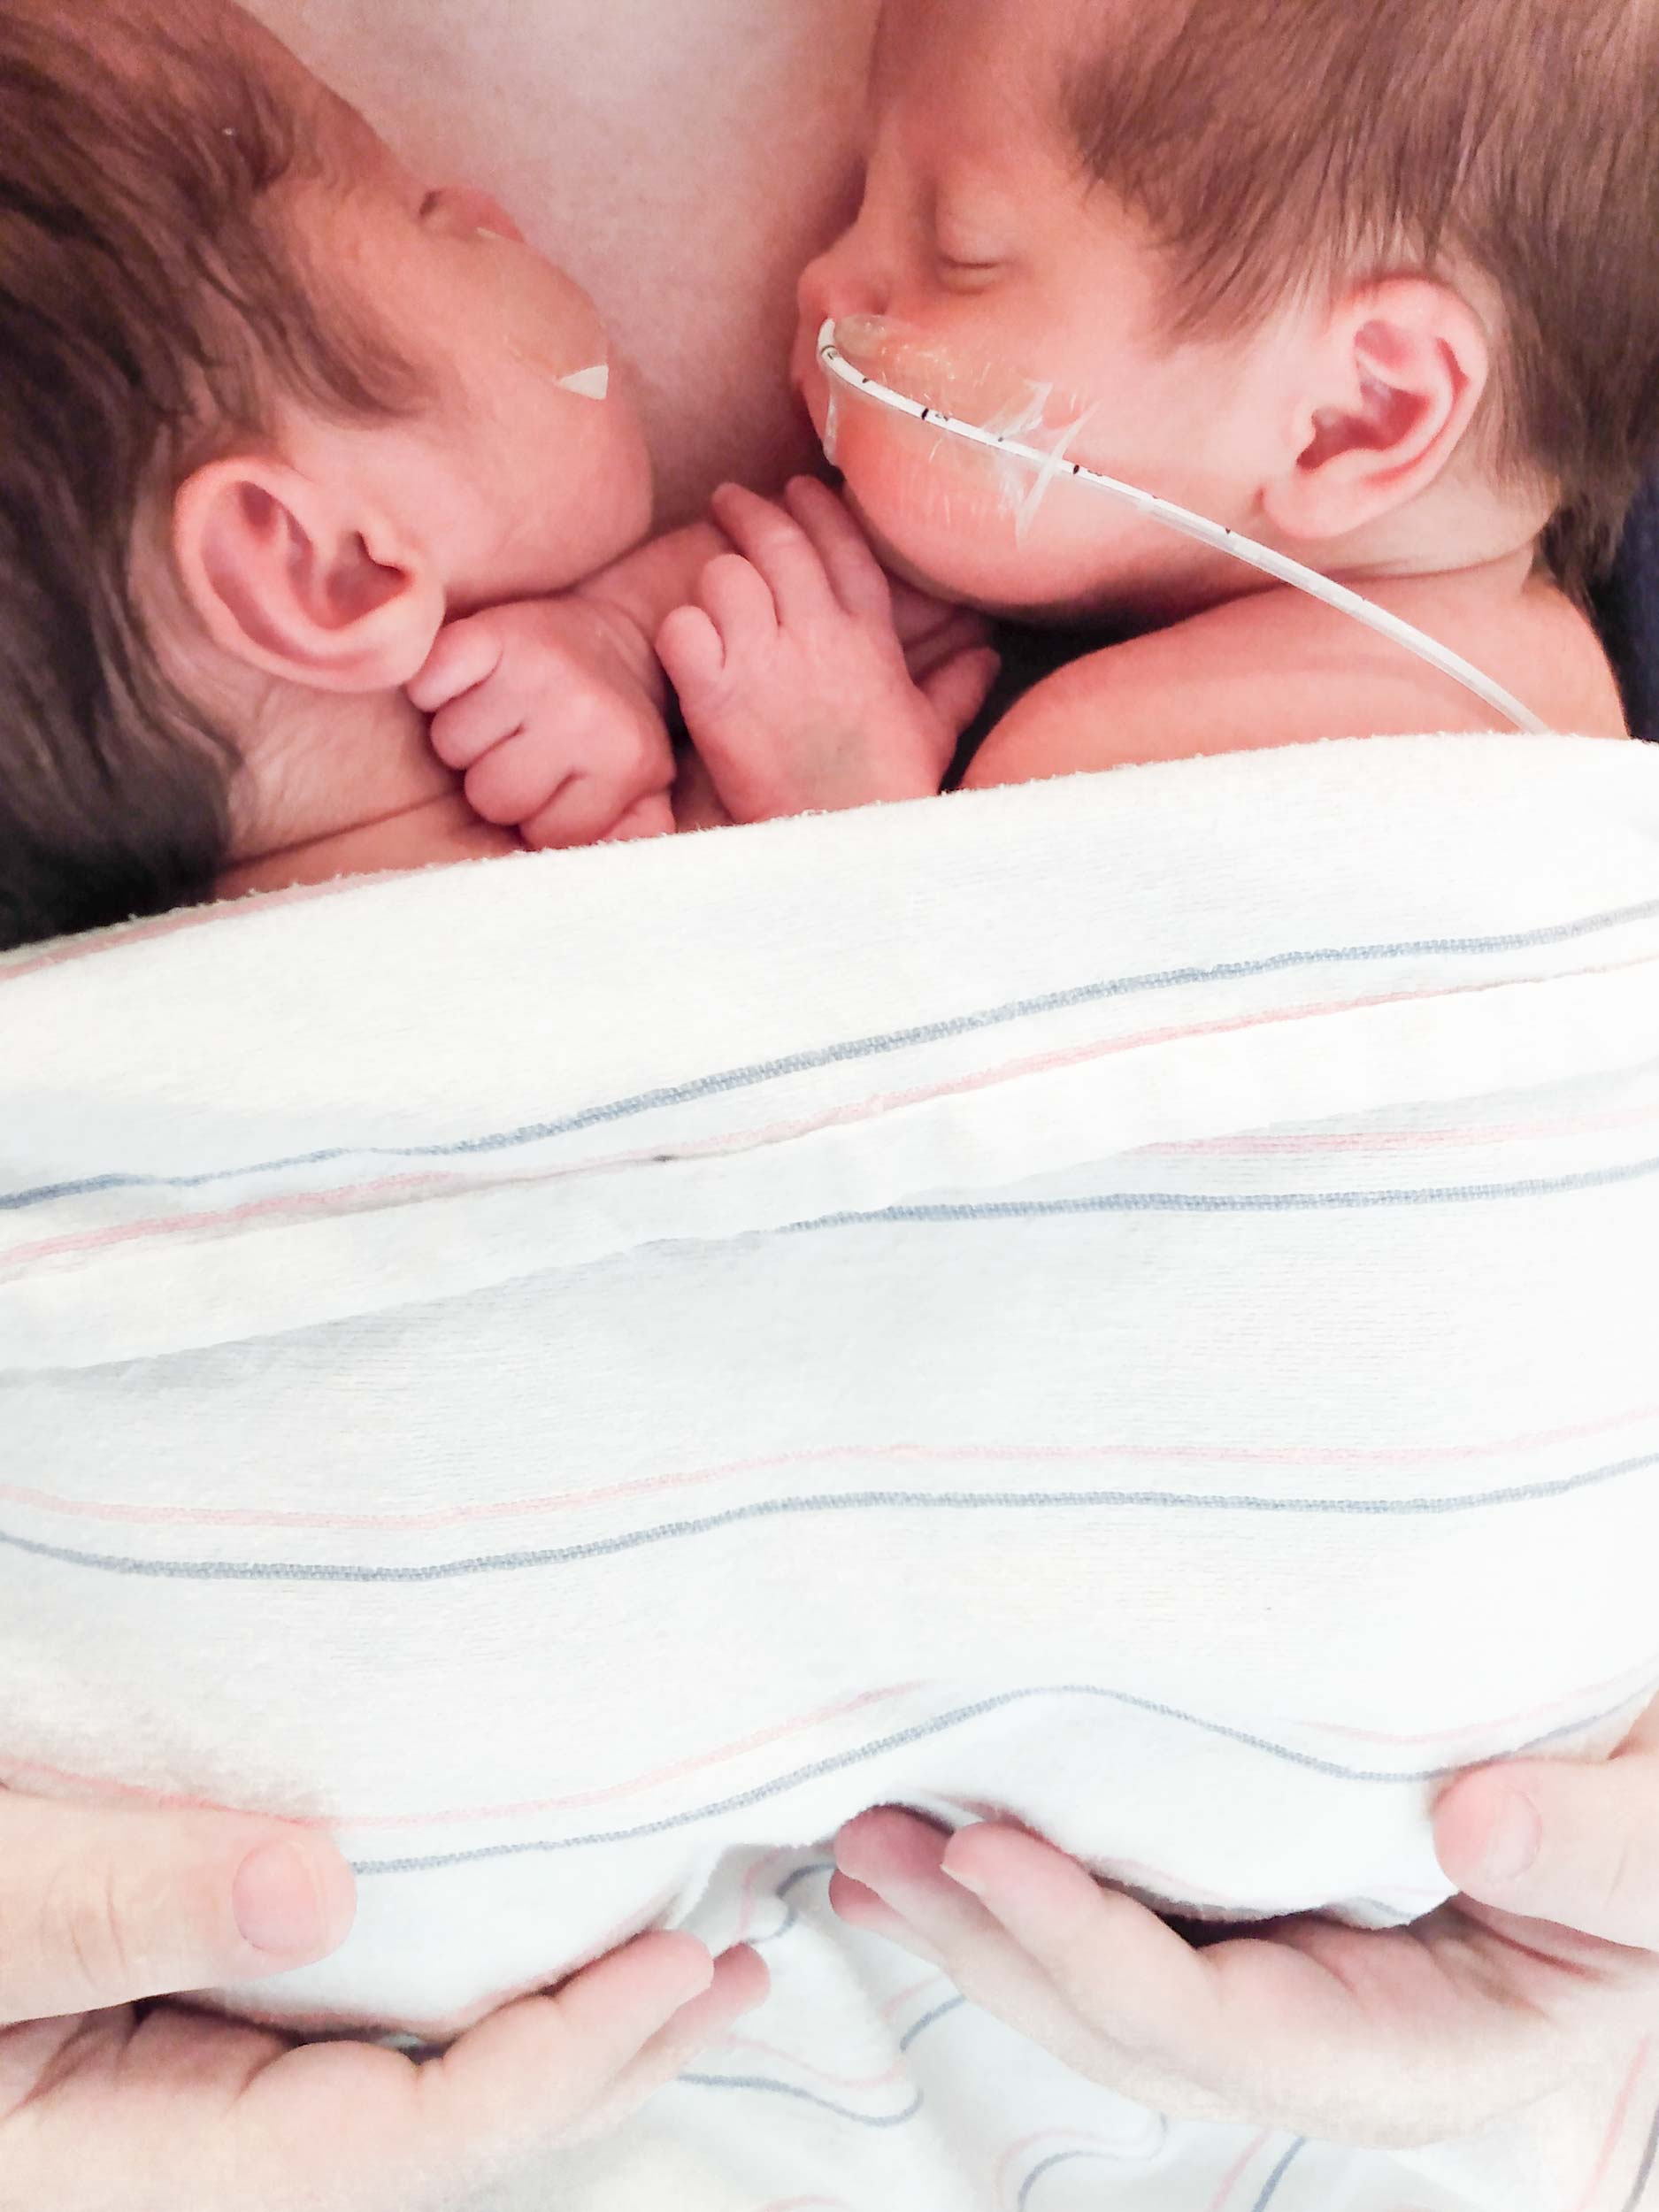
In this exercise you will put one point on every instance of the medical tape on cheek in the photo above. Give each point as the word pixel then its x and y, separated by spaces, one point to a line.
pixel 1016 411
pixel 593 383
pixel 842 350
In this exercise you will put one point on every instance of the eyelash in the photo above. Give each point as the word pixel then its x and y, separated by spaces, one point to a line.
pixel 950 265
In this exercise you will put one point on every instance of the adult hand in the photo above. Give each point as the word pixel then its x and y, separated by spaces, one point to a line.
pixel 1401 2038
pixel 105 2107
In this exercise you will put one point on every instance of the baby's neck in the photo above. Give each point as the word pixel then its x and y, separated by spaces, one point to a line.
pixel 358 791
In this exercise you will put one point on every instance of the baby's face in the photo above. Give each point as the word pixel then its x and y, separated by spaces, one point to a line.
pixel 1006 291
pixel 530 471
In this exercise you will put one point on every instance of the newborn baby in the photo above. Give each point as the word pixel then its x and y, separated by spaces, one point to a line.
pixel 1248 261
pixel 273 412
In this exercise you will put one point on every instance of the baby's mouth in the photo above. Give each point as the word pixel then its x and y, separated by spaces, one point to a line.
pixel 989 441
pixel 994 396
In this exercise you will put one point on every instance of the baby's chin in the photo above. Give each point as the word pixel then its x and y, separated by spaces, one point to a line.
pixel 981 558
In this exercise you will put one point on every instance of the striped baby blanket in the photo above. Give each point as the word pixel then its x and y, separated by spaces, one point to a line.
pixel 1126 1303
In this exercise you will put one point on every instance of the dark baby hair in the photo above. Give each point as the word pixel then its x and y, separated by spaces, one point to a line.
pixel 152 307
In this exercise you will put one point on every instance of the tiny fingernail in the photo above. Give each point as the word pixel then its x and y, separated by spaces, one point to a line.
pixel 965 1879
pixel 279 1903
pixel 1513 1841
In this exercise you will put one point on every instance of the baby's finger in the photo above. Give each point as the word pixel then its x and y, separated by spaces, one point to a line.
pixel 516 779
pixel 692 652
pixel 467 655
pixel 964 633
pixel 651 816
pixel 858 579
pixel 582 811
pixel 780 549
pixel 738 601
pixel 463 732
pixel 921 619
pixel 957 691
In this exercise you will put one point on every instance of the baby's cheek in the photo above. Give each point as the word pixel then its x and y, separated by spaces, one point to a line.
pixel 969 523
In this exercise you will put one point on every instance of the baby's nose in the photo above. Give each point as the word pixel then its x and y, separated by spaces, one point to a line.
pixel 833 287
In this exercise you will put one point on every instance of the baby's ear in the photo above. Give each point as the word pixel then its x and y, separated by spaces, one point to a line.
pixel 1390 391
pixel 294 581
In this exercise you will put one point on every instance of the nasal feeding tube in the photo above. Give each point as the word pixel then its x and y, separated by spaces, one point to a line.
pixel 1054 465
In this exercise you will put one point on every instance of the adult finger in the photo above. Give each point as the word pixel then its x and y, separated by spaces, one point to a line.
pixel 102 1906
pixel 1576 1845
pixel 570 2066
pixel 1401 2036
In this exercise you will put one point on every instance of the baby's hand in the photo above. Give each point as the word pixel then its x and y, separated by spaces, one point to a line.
pixel 556 725
pixel 792 673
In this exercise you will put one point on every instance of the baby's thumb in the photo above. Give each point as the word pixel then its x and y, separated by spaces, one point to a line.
pixel 1574 1845
pixel 961 688
pixel 101 1906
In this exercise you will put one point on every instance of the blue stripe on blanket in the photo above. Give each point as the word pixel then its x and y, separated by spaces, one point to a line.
pixel 867 1047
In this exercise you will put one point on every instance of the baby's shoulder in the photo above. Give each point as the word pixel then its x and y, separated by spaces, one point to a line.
pixel 1277 668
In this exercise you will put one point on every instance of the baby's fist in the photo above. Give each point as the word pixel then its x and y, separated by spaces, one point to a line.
pixel 556 726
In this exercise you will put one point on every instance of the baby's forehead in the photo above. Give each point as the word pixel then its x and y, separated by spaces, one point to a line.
pixel 1010 59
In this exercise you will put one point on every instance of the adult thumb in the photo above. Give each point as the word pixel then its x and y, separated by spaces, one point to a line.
pixel 1576 1845
pixel 101 1906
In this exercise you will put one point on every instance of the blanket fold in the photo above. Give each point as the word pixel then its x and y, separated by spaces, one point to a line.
pixel 1121 1302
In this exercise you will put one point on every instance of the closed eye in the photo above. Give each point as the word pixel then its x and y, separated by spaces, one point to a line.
pixel 968 274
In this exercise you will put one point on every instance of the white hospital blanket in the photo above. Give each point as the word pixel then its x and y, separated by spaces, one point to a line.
pixel 1124 1302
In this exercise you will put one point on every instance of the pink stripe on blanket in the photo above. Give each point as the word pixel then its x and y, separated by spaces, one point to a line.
pixel 1636 1682
pixel 323 1202
pixel 1242 2165
pixel 1404 1140
pixel 345 1198
pixel 1078 1455
pixel 1615 2133
pixel 26 1772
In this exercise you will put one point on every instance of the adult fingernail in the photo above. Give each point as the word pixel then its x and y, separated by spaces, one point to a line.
pixel 1513 1841
pixel 280 1905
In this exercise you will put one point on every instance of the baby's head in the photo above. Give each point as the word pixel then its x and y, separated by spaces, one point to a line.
pixel 1375 283
pixel 270 410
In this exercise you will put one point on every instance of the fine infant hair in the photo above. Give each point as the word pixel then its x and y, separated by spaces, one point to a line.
pixel 1281 149
pixel 154 305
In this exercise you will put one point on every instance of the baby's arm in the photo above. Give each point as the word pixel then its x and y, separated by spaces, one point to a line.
pixel 793 676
